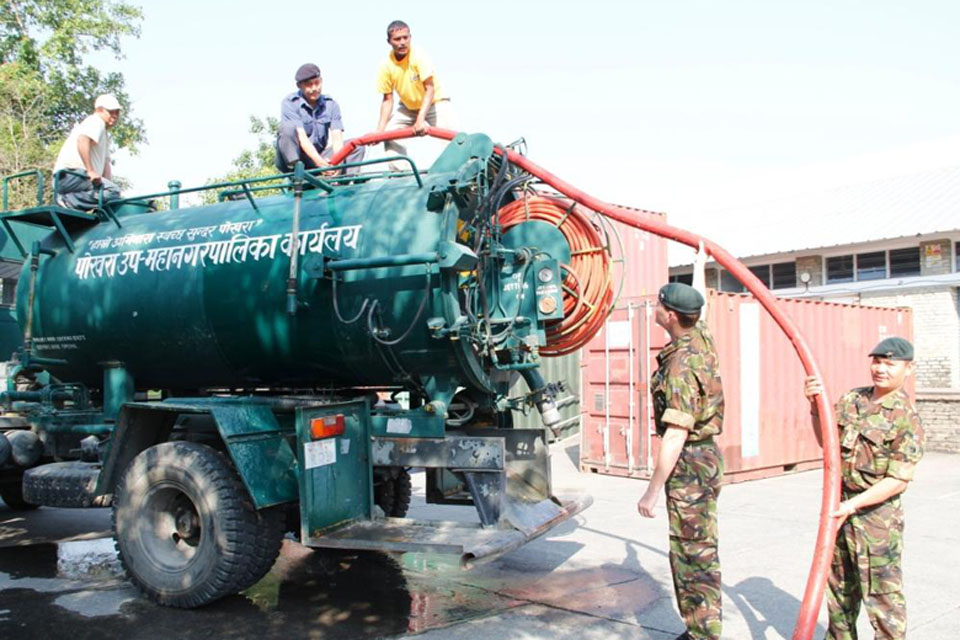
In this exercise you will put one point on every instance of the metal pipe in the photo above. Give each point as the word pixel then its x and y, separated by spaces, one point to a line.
pixel 632 403
pixel 295 240
pixel 399 260
pixel 546 403
pixel 208 187
pixel 30 172
pixel 364 163
pixel 34 396
pixel 830 498
pixel 31 296
pixel 606 393
pixel 174 186
pixel 118 388
pixel 38 361
pixel 85 429
pixel 563 423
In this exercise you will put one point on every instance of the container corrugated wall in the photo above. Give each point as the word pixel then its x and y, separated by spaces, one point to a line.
pixel 643 261
pixel 767 425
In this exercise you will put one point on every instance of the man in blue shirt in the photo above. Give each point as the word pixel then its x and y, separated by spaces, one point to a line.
pixel 311 129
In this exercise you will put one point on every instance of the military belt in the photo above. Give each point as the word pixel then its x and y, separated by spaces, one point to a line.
pixel 700 443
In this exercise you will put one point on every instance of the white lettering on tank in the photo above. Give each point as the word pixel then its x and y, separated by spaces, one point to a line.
pixel 238 248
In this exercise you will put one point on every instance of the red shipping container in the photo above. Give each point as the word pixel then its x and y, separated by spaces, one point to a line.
pixel 640 270
pixel 640 259
pixel 767 424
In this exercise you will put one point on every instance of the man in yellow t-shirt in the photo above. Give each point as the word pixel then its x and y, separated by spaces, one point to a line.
pixel 409 73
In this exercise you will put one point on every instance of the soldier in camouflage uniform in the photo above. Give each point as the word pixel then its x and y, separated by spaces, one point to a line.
pixel 688 408
pixel 881 441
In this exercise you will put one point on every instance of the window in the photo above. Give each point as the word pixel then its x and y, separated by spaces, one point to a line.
pixel 905 262
pixel 762 271
pixel 784 275
pixel 956 256
pixel 685 278
pixel 840 269
pixel 8 291
pixel 729 283
pixel 872 266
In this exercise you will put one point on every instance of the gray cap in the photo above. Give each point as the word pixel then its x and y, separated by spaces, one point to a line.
pixel 894 349
pixel 307 72
pixel 680 297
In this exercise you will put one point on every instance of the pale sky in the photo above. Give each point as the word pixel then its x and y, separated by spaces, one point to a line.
pixel 681 106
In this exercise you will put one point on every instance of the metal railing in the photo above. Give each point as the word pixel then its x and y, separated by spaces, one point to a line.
pixel 30 172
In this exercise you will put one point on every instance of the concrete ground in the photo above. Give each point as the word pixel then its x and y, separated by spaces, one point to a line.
pixel 604 575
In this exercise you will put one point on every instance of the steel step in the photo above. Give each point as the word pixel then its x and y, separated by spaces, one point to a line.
pixel 474 543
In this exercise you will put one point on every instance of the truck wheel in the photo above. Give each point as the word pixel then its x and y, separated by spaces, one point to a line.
pixel 392 491
pixel 269 537
pixel 184 526
pixel 12 494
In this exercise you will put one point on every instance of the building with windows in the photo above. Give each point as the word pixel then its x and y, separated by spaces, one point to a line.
pixel 893 242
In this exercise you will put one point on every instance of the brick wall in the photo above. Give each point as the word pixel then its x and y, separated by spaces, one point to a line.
pixel 936 340
pixel 940 413
pixel 936 331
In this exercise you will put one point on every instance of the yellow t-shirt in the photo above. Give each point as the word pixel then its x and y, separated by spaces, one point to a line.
pixel 406 78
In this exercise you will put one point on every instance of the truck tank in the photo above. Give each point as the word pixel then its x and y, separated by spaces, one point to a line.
pixel 198 297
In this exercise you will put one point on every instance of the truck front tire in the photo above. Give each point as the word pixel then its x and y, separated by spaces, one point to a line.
pixel 185 528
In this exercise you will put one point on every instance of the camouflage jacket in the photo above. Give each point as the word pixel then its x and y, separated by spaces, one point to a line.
pixel 877 440
pixel 686 387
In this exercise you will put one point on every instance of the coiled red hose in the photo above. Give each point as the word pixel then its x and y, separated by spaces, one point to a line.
pixel 588 283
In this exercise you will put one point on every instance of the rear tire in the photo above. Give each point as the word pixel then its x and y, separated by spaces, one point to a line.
pixel 186 531
pixel 392 491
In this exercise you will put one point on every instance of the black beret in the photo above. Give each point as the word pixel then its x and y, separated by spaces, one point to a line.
pixel 307 72
pixel 680 297
pixel 894 349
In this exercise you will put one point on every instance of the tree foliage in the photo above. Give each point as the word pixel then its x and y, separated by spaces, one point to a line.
pixel 252 163
pixel 46 85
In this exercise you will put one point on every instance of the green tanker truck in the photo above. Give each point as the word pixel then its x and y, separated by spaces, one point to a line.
pixel 222 374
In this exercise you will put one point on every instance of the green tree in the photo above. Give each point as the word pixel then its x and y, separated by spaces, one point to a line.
pixel 252 163
pixel 46 86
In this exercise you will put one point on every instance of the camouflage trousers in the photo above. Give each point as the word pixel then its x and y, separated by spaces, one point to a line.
pixel 692 491
pixel 866 567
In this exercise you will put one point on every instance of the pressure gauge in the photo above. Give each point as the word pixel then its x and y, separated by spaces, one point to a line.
pixel 545 274
pixel 547 305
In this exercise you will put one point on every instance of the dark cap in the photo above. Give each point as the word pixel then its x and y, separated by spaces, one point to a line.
pixel 307 72
pixel 894 349
pixel 680 297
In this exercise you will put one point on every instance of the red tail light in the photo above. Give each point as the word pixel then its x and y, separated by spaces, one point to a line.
pixel 327 426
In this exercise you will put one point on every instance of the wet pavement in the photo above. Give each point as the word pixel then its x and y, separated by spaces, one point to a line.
pixel 603 575
pixel 307 594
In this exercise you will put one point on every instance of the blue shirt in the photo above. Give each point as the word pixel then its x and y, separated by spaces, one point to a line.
pixel 316 121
